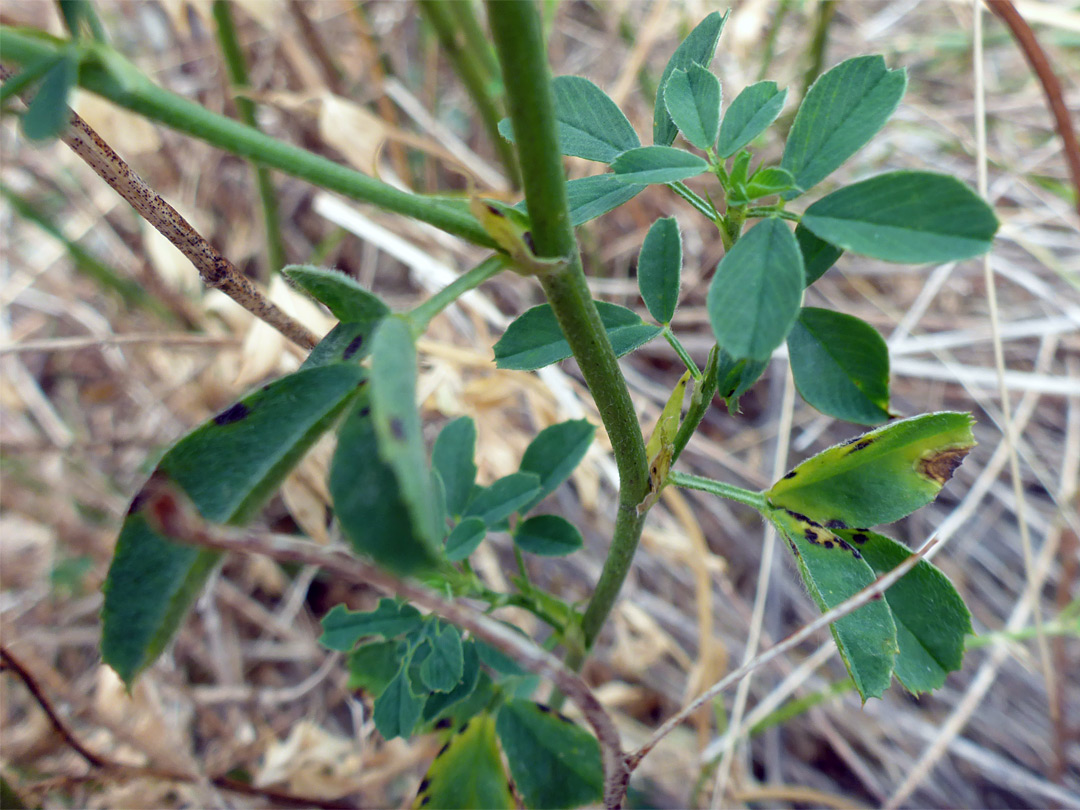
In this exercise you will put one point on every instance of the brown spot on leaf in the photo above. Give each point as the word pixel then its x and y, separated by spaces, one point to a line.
pixel 940 465
pixel 861 445
pixel 353 347
pixel 493 210
pixel 234 414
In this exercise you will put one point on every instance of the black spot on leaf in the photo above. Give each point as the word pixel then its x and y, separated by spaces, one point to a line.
pixel 811 535
pixel 859 538
pixel 543 708
pixel 365 411
pixel 790 475
pixel 827 543
pixel 862 445
pixel 527 237
pixel 835 524
pixel 423 786
pixel 397 427
pixel 234 414
pixel 445 722
pixel 353 347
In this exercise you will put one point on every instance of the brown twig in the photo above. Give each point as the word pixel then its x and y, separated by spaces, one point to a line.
pixel 46 706
pixel 215 270
pixel 1051 85
pixel 849 605
pixel 171 513
pixel 106 768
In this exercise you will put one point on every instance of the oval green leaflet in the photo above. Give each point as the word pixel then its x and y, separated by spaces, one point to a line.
pixel 880 476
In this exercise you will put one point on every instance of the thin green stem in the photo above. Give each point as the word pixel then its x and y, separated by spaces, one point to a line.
pixel 763 211
pixel 421 315
pixel 276 256
pixel 108 74
pixel 729 491
pixel 520 558
pixel 520 47
pixel 476 39
pixel 467 63
pixel 704 390
pixel 688 361
pixel 700 205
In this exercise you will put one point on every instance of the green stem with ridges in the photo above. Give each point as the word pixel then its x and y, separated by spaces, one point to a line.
pixel 108 74
pixel 520 47
pixel 700 400
pixel 466 62
pixel 688 361
pixel 723 490
pixel 420 316
pixel 235 63
pixel 700 205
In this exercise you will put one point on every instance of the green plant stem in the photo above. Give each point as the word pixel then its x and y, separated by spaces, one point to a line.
pixel 466 61
pixel 421 315
pixel 520 47
pixel 700 205
pixel 276 257
pixel 476 40
pixel 108 74
pixel 688 361
pixel 762 211
pixel 729 491
pixel 704 390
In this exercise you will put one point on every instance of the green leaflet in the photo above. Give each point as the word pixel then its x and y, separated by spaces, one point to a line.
pixel 587 121
pixel 818 255
pixel 48 113
pixel 657 164
pixel 442 669
pixel 342 627
pixel 840 365
pixel 536 340
pixel 660 268
pixel 439 702
pixel 931 617
pixel 505 496
pixel 754 295
pixel 748 116
pixel 397 710
pixel 880 476
pixel 833 571
pixel 842 110
pixel 692 98
pixel 554 454
pixel 699 47
pixel 342 294
pixel 396 419
pixel 590 197
pixel 368 500
pixel 468 772
pixel 372 666
pixel 452 456
pixel 548 536
pixel 465 538
pixel 555 764
pixel 228 467
pixel 905 217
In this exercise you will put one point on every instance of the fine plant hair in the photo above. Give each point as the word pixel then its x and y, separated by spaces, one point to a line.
pixel 435 655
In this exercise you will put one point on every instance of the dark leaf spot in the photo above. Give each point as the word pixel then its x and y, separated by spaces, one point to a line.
pixel 827 543
pixel 941 465
pixel 442 750
pixel 234 414
pixel 861 446
pixel 364 411
pixel 859 538
pixel 445 722
pixel 811 535
pixel 423 786
pixel 790 475
pixel 493 210
pixel 835 524
pixel 397 427
pixel 353 347
pixel 425 800
pixel 527 237
pixel 543 708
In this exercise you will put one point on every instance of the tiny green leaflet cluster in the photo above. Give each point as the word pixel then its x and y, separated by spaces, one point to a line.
pixel 424 676
pixel 840 363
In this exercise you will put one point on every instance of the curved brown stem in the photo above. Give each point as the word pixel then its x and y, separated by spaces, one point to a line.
pixel 1051 85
